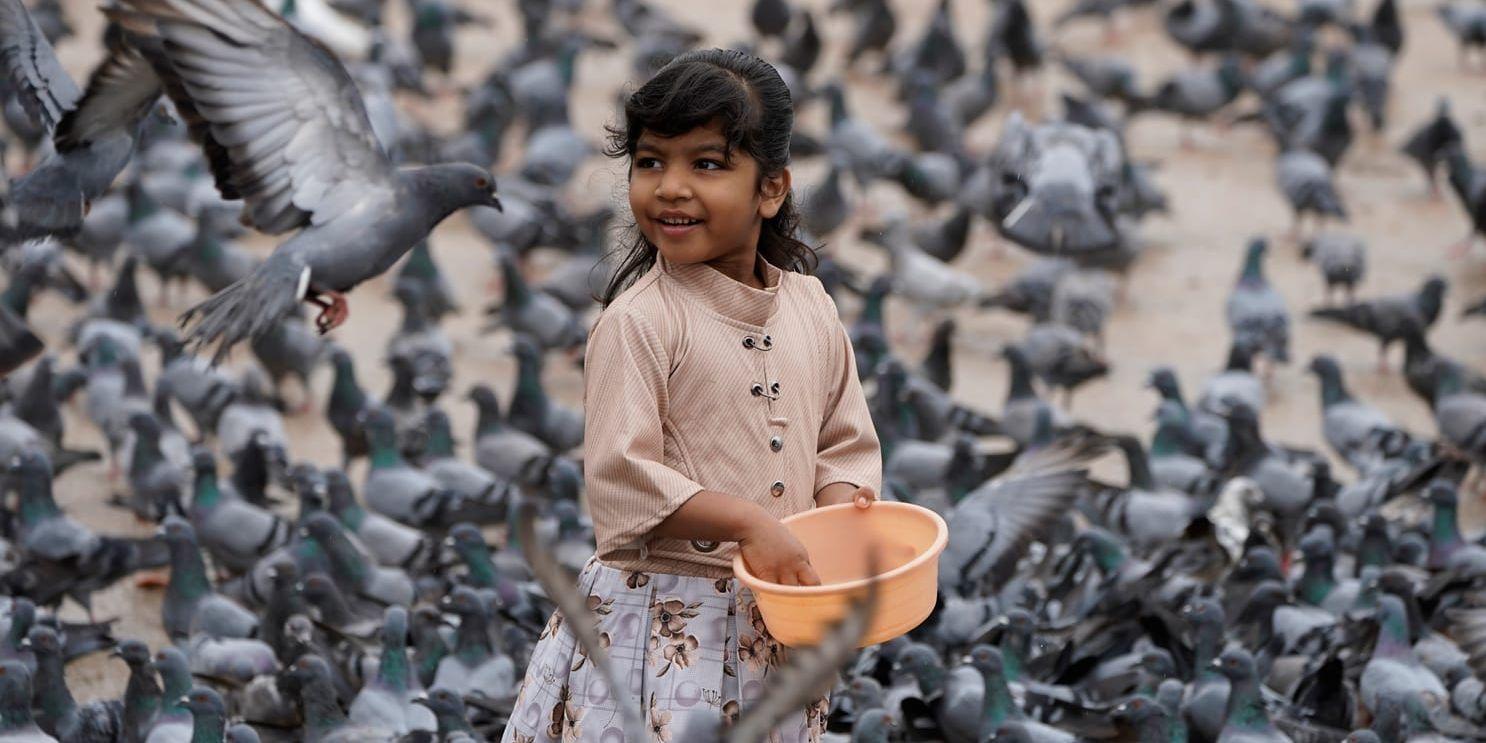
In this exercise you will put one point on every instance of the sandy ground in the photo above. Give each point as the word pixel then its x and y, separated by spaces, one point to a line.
pixel 1221 193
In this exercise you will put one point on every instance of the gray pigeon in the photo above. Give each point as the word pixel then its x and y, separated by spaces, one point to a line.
pixel 192 606
pixel 1393 317
pixel 1460 415
pixel 358 214
pixel 1342 259
pixel 1256 313
pixel 57 712
pixel 504 450
pixel 389 700
pixel 1356 431
pixel 995 523
pixel 528 310
pixel 1305 180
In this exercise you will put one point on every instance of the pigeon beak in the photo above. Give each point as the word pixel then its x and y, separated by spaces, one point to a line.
pixel 495 202
pixel 184 701
pixel 449 543
pixel 422 700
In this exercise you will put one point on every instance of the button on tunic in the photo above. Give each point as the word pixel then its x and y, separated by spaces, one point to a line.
pixel 695 381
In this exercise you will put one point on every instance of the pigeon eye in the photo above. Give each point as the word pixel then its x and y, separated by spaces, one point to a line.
pixel 482 183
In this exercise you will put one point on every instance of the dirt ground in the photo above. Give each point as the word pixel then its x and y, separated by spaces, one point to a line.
pixel 1221 192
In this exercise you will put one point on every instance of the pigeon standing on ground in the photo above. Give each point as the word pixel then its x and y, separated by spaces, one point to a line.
pixel 1256 313
pixel 1391 318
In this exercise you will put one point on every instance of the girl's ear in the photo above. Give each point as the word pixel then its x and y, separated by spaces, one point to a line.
pixel 772 191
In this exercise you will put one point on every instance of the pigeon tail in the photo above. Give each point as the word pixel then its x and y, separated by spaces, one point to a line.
pixel 249 307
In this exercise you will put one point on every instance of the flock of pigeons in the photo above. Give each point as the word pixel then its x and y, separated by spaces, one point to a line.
pixel 1232 589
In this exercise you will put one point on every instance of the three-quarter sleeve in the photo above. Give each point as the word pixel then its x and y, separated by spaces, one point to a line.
pixel 630 489
pixel 847 448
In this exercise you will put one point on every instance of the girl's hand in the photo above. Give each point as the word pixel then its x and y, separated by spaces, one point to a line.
pixel 775 555
pixel 842 492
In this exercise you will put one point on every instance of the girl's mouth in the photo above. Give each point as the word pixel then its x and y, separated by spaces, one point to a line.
pixel 677 226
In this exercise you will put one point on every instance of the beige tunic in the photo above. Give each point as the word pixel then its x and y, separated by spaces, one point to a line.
pixel 695 381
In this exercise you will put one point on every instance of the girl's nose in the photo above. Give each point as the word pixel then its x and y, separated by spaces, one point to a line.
pixel 673 186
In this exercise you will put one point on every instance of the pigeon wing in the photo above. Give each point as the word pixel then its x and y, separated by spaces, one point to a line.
pixel 121 89
pixel 282 124
pixel 44 89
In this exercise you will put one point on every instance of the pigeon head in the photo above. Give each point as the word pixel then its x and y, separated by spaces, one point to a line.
pixel 1203 612
pixel 133 652
pixel 309 668
pixel 526 349
pixel 864 689
pixel 309 484
pixel 204 701
pixel 145 425
pixel 482 395
pixel 1157 662
pixel 1325 367
pixel 15 680
pixel 379 426
pixel 986 659
pixel 458 185
pixel 465 536
pixel 1434 288
pixel 1236 664
pixel 394 626
pixel 22 616
pixel 283 574
pixel 318 589
pixel 464 602
pixel 176 531
pixel 203 461
pixel 170 662
pixel 321 527
pixel 917 658
pixel 29 464
pixel 1317 544
pixel 338 489
pixel 43 640
pixel 442 702
pixel 341 359
pixel 1442 493
pixel 440 433
pixel 1138 710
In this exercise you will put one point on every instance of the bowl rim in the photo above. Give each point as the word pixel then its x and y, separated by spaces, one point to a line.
pixel 941 540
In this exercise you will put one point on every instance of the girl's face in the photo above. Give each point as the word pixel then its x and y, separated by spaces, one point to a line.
pixel 695 206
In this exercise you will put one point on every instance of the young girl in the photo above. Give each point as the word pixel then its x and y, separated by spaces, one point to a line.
pixel 721 396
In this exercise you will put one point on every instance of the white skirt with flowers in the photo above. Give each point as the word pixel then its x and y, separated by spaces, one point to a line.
pixel 689 647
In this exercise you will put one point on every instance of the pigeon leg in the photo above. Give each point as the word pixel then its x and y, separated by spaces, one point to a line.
pixel 333 311
pixel 152 579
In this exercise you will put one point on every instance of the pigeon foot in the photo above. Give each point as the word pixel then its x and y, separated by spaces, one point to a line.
pixel 152 579
pixel 333 312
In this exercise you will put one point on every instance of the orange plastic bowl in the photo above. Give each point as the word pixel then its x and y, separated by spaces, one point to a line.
pixel 906 540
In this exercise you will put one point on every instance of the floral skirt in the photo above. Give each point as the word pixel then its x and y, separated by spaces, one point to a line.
pixel 688 647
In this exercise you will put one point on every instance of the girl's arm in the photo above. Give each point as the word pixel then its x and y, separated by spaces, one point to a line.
pixel 845 492
pixel 848 457
pixel 771 551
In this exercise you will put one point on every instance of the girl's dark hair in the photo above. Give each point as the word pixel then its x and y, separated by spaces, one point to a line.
pixel 747 96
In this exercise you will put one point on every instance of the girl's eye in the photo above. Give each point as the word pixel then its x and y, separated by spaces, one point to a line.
pixel 646 163
pixel 709 165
